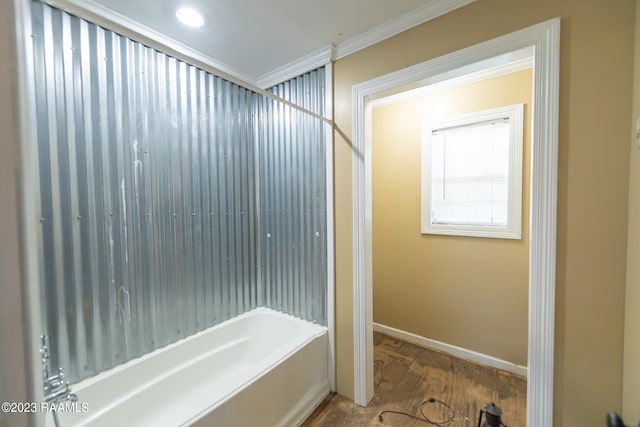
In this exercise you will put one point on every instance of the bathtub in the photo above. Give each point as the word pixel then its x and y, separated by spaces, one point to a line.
pixel 262 368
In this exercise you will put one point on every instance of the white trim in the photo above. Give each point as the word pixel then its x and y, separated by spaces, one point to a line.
pixel 431 10
pixel 513 228
pixel 368 230
pixel 545 38
pixel 361 292
pixel 459 352
pixel 296 68
pixel 542 256
pixel 465 79
pixel 330 227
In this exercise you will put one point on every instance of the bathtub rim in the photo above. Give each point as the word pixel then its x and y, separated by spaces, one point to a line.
pixel 101 376
pixel 300 411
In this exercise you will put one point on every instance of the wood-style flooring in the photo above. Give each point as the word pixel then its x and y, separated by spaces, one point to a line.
pixel 406 375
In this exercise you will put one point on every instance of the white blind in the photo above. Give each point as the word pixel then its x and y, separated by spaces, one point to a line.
pixel 470 169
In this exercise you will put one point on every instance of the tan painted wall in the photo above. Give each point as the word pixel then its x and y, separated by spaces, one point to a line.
pixel 465 291
pixel 12 327
pixel 595 106
pixel 631 391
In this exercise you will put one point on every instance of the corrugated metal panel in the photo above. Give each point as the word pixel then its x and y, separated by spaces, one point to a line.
pixel 293 199
pixel 148 195
pixel 153 225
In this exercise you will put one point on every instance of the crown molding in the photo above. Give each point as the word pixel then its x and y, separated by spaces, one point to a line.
pixel 431 10
pixel 125 26
pixel 296 68
pixel 121 24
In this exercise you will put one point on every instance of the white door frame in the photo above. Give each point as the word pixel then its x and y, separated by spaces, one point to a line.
pixel 545 39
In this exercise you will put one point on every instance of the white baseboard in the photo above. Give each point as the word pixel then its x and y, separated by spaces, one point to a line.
pixel 453 350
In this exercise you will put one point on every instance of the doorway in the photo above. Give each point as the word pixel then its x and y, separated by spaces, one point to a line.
pixel 543 42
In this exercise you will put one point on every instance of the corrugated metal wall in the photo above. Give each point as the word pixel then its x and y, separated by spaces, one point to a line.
pixel 293 199
pixel 152 223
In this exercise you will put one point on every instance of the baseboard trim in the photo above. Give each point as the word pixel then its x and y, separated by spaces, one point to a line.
pixel 453 350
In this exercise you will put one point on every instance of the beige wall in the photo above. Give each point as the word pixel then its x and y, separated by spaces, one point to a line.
pixel 465 291
pixel 595 106
pixel 631 391
pixel 12 327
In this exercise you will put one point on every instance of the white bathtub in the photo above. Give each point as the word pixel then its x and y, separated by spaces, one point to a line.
pixel 262 368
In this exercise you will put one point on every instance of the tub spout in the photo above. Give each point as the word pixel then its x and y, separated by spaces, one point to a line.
pixel 60 395
pixel 53 386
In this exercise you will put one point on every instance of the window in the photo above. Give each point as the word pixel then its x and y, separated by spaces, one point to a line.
pixel 472 174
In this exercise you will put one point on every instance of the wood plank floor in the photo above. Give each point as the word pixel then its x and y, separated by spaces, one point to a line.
pixel 406 375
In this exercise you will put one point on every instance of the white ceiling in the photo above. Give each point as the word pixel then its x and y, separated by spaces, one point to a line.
pixel 260 41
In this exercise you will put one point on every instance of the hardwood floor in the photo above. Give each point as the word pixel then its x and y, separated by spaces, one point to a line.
pixel 406 375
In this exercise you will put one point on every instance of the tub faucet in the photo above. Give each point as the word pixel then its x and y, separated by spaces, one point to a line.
pixel 56 389
pixel 61 395
pixel 54 382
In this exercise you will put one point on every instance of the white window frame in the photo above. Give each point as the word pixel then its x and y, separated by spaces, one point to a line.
pixel 513 229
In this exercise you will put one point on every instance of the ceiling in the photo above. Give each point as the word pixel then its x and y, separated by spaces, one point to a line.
pixel 267 41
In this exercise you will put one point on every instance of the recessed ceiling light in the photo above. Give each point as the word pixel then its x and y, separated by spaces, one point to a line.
pixel 190 17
